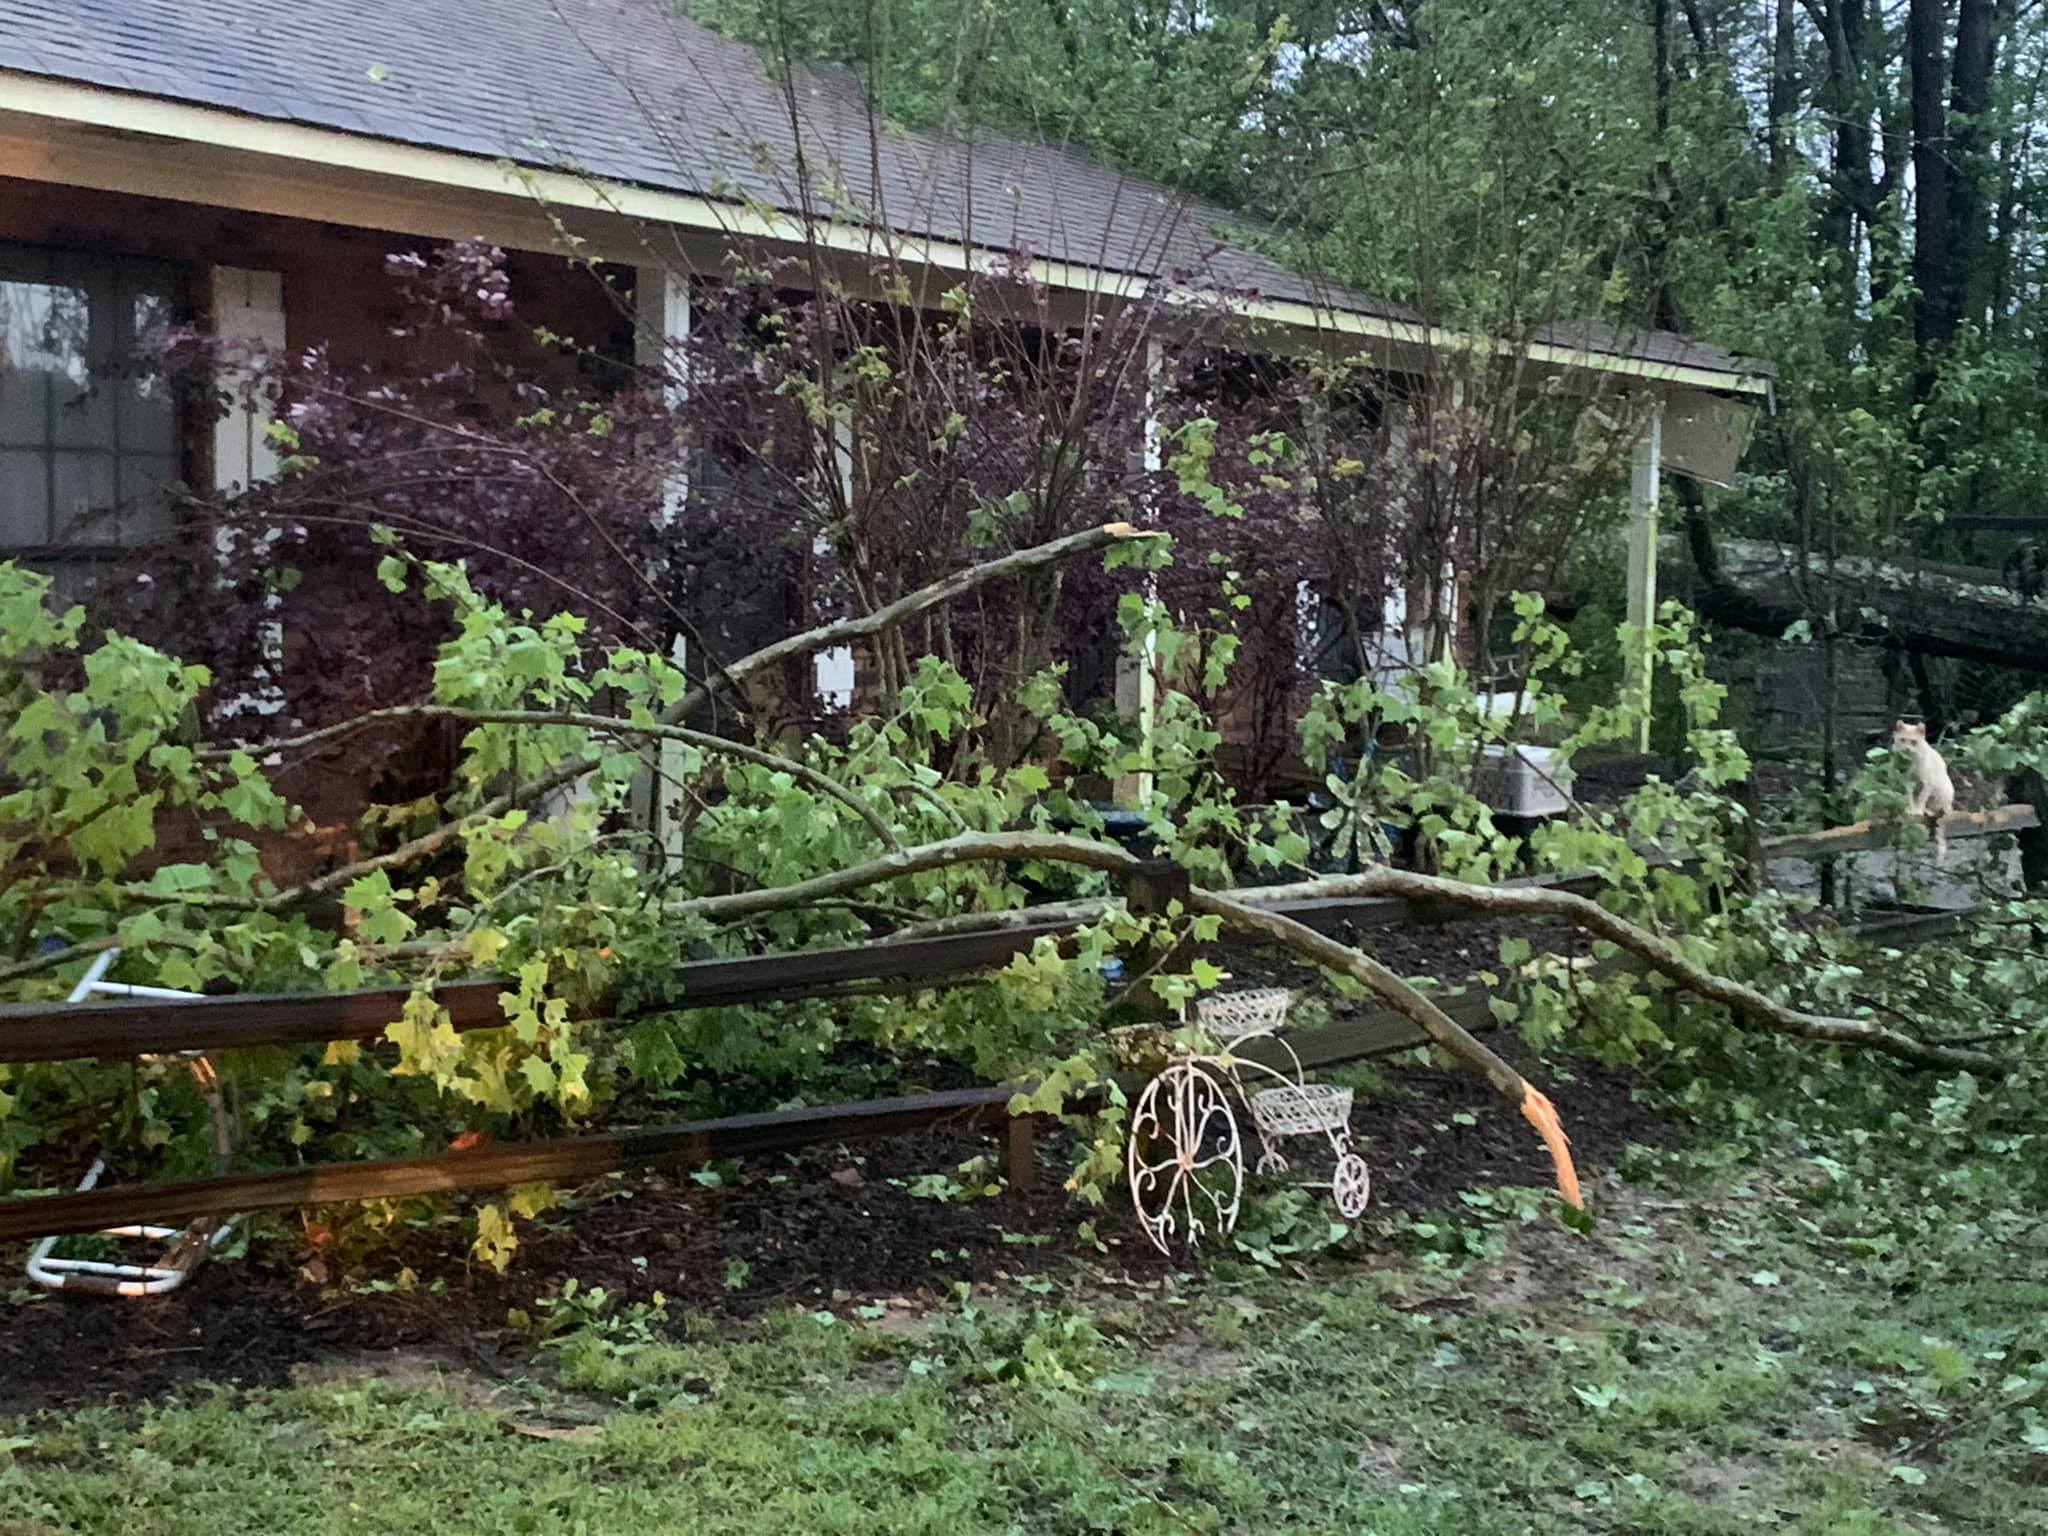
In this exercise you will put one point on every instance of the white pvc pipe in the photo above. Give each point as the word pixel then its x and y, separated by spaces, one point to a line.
pixel 123 989
pixel 136 1279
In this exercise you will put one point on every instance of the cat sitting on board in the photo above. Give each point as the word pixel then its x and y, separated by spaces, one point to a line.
pixel 1934 792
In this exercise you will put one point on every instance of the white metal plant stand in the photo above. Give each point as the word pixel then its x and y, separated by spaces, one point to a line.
pixel 1185 1154
pixel 185 1246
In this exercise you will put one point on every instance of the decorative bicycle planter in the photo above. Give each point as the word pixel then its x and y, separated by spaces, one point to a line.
pixel 1185 1152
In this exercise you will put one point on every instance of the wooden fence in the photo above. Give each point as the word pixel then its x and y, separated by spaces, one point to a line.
pixel 34 1032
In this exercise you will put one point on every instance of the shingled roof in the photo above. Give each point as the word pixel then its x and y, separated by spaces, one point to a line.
pixel 630 92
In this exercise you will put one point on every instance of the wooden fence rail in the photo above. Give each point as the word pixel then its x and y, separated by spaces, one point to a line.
pixel 571 1159
pixel 157 1026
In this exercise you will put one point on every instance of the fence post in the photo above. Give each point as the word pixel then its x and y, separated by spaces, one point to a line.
pixel 1151 891
pixel 2029 787
pixel 1755 874
pixel 1020 1163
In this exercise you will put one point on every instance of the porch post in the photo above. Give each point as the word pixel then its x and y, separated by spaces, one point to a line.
pixel 1447 586
pixel 661 303
pixel 247 309
pixel 1136 789
pixel 1642 563
pixel 833 673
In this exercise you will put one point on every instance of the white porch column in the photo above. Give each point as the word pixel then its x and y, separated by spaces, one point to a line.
pixel 1406 617
pixel 832 669
pixel 247 309
pixel 1642 563
pixel 661 302
pixel 1399 645
pixel 1138 677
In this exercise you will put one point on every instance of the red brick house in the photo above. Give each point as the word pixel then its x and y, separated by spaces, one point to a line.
pixel 250 166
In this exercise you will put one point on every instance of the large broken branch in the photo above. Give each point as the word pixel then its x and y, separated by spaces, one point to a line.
pixel 1342 958
pixel 890 615
pixel 1934 610
pixel 1660 954
pixel 984 847
pixel 1243 910
pixel 844 631
pixel 838 632
pixel 1233 911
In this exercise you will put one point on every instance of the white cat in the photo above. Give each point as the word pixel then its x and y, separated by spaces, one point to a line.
pixel 1934 792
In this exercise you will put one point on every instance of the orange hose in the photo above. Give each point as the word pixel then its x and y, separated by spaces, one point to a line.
pixel 1542 1114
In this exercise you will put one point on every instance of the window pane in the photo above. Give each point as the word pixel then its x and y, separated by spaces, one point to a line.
pixel 85 405
pixel 145 511
pixel 148 412
pixel 149 415
pixel 154 312
pixel 45 329
pixel 85 484
pixel 24 499
pixel 81 433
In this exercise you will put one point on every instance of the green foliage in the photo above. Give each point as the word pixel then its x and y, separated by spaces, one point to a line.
pixel 563 901
pixel 574 910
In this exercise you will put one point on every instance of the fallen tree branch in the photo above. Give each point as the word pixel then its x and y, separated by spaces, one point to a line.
pixel 704 741
pixel 1078 913
pixel 1920 606
pixel 1664 956
pixel 983 847
pixel 1333 955
pixel 890 615
pixel 839 632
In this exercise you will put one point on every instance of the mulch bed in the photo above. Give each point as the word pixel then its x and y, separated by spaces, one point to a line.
pixel 831 1227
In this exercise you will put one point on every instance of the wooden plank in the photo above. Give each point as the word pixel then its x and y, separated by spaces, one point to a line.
pixel 1378 1033
pixel 689 1145
pixel 1902 930
pixel 154 1026
pixel 561 1160
pixel 1862 836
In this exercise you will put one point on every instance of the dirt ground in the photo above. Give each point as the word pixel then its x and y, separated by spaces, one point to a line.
pixel 832 1228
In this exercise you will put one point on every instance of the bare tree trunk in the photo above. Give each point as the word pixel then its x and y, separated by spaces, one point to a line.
pixel 1977 28
pixel 1934 305
pixel 1952 611
pixel 1784 95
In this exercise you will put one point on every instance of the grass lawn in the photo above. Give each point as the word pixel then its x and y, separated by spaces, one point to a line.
pixel 1726 1351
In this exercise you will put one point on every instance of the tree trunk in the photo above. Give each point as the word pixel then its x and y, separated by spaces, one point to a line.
pixel 1784 96
pixel 1852 201
pixel 1935 610
pixel 1970 161
pixel 1934 305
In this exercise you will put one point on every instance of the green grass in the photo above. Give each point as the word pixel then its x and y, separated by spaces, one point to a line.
pixel 1716 1357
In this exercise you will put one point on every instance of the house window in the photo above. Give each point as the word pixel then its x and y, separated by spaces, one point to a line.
pixel 79 433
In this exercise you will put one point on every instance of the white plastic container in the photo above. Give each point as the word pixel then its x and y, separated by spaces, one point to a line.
pixel 1531 783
